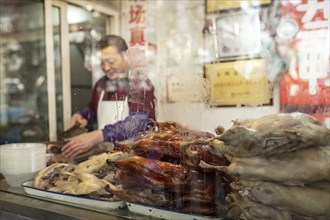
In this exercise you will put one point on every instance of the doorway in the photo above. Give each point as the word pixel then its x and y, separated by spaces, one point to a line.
pixel 76 27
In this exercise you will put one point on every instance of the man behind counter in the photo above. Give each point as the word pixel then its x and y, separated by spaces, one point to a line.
pixel 117 86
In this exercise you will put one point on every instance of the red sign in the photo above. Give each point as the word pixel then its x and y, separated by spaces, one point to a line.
pixel 310 14
pixel 305 87
pixel 137 20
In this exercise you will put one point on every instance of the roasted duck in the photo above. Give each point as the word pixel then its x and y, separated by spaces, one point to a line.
pixel 164 143
pixel 162 174
pixel 175 187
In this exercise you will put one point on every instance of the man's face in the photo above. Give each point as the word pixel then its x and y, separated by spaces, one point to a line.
pixel 113 64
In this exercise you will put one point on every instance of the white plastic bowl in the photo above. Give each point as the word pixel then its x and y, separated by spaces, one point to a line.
pixel 20 162
pixel 15 180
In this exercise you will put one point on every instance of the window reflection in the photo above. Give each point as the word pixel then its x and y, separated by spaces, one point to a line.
pixel 23 75
pixel 86 28
pixel 23 95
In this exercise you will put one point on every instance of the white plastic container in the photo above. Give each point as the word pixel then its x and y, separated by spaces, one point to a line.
pixel 20 162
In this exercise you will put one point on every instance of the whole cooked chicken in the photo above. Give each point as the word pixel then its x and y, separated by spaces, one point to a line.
pixel 89 178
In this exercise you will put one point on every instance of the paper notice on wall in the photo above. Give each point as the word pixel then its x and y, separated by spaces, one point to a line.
pixel 239 83
pixel 186 88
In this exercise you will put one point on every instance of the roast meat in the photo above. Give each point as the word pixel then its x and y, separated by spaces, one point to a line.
pixel 268 135
pixel 138 171
pixel 285 168
pixel 272 134
pixel 304 200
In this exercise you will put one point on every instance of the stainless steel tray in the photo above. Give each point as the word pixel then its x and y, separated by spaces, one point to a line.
pixel 165 214
pixel 72 200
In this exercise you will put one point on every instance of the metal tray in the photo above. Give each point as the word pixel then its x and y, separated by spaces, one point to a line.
pixel 71 200
pixel 165 214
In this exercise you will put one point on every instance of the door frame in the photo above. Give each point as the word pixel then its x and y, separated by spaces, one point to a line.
pixel 112 27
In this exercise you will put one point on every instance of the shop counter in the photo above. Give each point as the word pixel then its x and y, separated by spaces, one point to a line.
pixel 14 202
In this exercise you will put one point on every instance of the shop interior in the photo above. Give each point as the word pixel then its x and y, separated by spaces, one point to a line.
pixel 212 62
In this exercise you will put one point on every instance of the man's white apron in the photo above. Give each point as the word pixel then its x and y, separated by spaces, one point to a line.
pixel 109 112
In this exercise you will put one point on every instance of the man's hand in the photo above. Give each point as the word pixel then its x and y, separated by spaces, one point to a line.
pixel 82 143
pixel 78 119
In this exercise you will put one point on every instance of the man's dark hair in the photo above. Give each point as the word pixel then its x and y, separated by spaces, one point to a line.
pixel 112 40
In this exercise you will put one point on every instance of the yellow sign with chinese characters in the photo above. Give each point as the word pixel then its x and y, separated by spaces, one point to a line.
pixel 239 83
pixel 218 5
